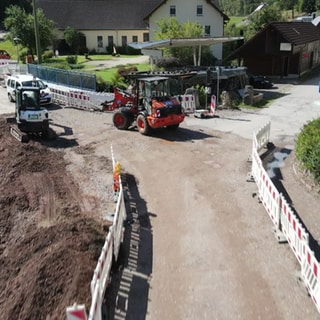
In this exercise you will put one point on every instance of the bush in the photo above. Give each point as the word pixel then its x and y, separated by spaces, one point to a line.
pixel 168 62
pixel 47 55
pixel 58 65
pixel 22 54
pixel 308 148
pixel 103 86
pixel 72 59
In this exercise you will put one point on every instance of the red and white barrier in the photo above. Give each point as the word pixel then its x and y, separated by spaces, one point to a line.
pixel 85 100
pixel 285 220
pixel 291 227
pixel 95 312
pixel 77 312
pixel 213 105
pixel 110 250
pixel 262 137
pixel 310 275
pixel 188 103
pixel 103 268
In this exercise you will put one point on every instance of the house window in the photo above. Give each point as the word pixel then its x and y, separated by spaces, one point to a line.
pixel 199 10
pixel 124 41
pixel 100 41
pixel 172 11
pixel 145 37
pixel 207 31
pixel 134 38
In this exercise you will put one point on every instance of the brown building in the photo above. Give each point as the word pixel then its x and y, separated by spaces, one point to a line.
pixel 281 49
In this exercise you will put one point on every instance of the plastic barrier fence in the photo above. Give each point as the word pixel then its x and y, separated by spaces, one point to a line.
pixel 77 312
pixel 268 194
pixel 110 250
pixel 284 219
pixel 310 275
pixel 85 100
pixel 291 227
pixel 262 137
pixel 188 103
pixel 102 271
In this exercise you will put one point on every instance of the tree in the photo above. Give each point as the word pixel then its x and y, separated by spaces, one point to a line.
pixel 171 28
pixel 26 4
pixel 75 40
pixel 288 5
pixel 308 6
pixel 262 18
pixel 20 24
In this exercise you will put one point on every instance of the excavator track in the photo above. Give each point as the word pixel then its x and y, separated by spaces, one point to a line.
pixel 18 134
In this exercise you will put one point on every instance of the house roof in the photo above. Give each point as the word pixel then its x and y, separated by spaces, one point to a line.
pixel 294 32
pixel 187 42
pixel 210 2
pixel 98 14
pixel 103 14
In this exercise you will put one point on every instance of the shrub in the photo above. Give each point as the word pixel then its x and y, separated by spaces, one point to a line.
pixel 168 62
pixel 72 59
pixel 103 86
pixel 47 55
pixel 308 148
pixel 22 54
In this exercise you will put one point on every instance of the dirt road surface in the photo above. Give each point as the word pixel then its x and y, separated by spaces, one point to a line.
pixel 198 244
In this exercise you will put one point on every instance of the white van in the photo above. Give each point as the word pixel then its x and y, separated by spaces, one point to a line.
pixel 28 80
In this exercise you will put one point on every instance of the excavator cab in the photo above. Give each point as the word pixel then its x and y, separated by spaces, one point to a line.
pixel 28 99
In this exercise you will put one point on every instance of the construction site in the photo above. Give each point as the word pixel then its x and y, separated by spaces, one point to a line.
pixel 197 243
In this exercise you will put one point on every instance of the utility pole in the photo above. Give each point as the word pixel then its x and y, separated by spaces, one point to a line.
pixel 36 31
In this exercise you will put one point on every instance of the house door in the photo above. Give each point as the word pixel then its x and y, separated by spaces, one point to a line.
pixel 110 44
pixel 284 66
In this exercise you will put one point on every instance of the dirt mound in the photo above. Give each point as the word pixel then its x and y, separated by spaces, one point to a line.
pixel 49 245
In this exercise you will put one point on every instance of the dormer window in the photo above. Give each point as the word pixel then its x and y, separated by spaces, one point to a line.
pixel 172 11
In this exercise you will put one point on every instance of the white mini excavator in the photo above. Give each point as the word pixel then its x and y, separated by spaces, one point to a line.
pixel 30 118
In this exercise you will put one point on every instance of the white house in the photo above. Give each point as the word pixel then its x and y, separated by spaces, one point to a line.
pixel 112 22
pixel 203 12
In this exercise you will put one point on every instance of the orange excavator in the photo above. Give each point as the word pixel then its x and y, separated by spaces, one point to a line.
pixel 150 106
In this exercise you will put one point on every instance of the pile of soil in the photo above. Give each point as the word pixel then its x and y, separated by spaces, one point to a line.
pixel 49 245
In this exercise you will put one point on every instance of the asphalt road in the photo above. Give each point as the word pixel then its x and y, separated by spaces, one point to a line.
pixel 299 104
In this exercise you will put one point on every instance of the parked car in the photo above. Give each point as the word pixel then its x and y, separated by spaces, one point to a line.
pixel 260 82
pixel 28 80
pixel 4 54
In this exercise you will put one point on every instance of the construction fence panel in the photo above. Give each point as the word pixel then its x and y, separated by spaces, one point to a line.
pixel 60 95
pixel 270 197
pixel 77 312
pixel 293 230
pixel 103 268
pixel 84 100
pixel 188 103
pixel 118 225
pixel 268 193
pixel 310 275
pixel 95 312
pixel 263 136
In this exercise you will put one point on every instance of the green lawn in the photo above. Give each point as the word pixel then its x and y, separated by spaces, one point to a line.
pixel 10 48
pixel 108 74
